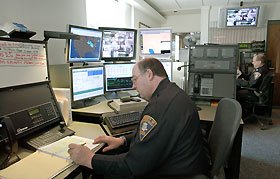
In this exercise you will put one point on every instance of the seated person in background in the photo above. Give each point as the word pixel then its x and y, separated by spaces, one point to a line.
pixel 168 140
pixel 254 81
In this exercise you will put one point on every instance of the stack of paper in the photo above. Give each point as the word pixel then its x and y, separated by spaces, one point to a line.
pixel 60 147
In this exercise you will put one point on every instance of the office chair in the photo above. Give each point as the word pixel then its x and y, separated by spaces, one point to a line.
pixel 222 133
pixel 261 98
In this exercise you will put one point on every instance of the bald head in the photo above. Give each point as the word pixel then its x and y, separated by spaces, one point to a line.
pixel 154 65
pixel 146 76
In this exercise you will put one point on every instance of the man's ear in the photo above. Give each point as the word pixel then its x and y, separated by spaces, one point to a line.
pixel 150 74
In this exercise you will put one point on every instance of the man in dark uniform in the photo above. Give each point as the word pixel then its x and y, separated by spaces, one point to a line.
pixel 254 81
pixel 168 141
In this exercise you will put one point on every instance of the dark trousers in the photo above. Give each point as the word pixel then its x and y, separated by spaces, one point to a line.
pixel 242 96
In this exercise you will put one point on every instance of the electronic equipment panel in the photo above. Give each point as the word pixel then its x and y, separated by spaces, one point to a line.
pixel 155 42
pixel 31 108
pixel 212 71
pixel 119 44
pixel 118 76
pixel 87 48
pixel 86 82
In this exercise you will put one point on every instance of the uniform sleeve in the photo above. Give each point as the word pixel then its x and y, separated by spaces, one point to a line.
pixel 242 83
pixel 110 165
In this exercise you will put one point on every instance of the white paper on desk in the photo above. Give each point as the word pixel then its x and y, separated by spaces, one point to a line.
pixel 60 147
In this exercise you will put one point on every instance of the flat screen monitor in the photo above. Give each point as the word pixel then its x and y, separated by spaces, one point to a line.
pixel 119 44
pixel 118 76
pixel 168 68
pixel 242 17
pixel 87 82
pixel 87 48
pixel 155 42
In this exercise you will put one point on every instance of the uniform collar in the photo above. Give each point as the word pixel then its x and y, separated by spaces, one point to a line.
pixel 161 86
pixel 259 69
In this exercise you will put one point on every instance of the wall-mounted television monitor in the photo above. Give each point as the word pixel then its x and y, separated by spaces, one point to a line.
pixel 119 44
pixel 118 76
pixel 168 68
pixel 242 17
pixel 155 42
pixel 87 48
pixel 87 82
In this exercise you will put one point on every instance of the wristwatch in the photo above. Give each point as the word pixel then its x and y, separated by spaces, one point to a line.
pixel 124 140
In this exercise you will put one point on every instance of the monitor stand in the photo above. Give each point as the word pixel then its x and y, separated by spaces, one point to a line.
pixel 87 102
pixel 117 95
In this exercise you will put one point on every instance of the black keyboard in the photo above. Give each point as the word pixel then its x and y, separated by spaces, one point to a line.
pixel 122 119
pixel 49 137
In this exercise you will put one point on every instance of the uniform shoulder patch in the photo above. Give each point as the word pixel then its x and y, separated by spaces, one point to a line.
pixel 146 125
pixel 257 75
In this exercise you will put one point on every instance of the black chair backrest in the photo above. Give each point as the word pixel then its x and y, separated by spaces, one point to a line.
pixel 265 88
pixel 223 131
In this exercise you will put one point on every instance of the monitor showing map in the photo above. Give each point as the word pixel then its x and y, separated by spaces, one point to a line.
pixel 155 42
pixel 87 48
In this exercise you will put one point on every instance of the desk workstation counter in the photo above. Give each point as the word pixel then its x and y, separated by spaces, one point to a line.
pixel 42 165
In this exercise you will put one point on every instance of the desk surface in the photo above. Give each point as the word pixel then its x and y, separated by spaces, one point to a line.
pixel 41 165
pixel 102 107
pixel 207 113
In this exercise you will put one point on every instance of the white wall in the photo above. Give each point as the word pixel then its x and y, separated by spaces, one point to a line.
pixel 183 23
pixel 40 15
pixel 140 16
pixel 108 13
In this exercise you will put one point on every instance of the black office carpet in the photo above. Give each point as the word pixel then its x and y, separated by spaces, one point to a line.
pixel 260 156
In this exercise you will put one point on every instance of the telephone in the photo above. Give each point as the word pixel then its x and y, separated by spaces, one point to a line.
pixel 11 147
pixel 197 81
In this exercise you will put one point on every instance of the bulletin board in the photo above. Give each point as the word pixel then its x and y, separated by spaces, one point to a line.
pixel 22 62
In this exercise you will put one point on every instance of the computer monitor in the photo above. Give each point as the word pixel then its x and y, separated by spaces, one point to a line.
pixel 118 76
pixel 242 16
pixel 87 48
pixel 119 44
pixel 168 68
pixel 155 42
pixel 87 82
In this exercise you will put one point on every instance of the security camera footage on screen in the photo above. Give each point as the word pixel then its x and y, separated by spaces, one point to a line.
pixel 242 17
pixel 118 44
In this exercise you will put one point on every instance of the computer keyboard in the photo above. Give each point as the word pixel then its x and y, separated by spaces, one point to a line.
pixel 122 119
pixel 49 137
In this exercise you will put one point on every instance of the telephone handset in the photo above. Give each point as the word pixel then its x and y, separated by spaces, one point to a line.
pixel 12 146
pixel 196 85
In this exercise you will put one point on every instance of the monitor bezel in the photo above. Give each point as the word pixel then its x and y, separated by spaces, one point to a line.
pixel 238 26
pixel 105 77
pixel 171 62
pixel 71 82
pixel 119 59
pixel 67 49
pixel 158 55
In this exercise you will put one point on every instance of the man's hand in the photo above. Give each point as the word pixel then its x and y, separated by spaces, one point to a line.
pixel 112 142
pixel 81 155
